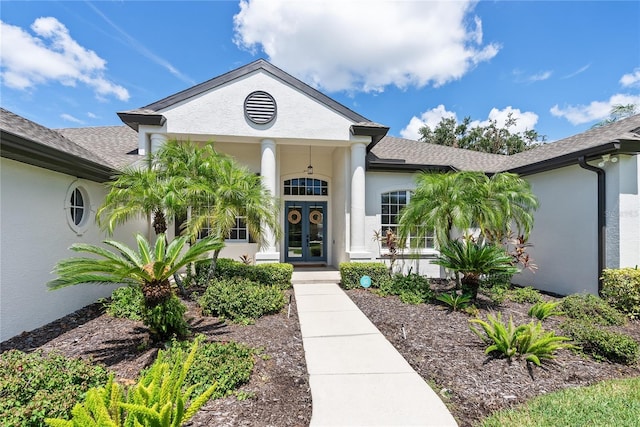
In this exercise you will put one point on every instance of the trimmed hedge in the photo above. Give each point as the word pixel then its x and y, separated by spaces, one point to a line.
pixel 603 344
pixel 591 309
pixel 351 272
pixel 272 274
pixel 412 288
pixel 621 289
pixel 241 300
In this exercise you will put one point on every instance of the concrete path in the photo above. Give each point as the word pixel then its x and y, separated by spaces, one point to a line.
pixel 357 377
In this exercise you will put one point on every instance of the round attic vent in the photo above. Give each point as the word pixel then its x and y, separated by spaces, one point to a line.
pixel 260 107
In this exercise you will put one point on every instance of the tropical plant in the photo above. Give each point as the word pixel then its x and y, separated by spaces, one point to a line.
pixel 455 300
pixel 156 400
pixel 149 268
pixel 474 260
pixel 543 310
pixel 530 341
pixel 464 200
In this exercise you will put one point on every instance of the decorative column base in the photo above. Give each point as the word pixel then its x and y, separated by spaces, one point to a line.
pixel 267 257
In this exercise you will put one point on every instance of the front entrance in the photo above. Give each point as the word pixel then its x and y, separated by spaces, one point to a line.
pixel 305 232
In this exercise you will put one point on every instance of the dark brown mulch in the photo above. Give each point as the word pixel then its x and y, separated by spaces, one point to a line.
pixel 278 390
pixel 438 344
pixel 441 348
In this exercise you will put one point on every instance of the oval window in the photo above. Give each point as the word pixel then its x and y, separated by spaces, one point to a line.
pixel 78 208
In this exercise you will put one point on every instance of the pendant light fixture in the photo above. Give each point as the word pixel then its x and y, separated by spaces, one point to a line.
pixel 310 167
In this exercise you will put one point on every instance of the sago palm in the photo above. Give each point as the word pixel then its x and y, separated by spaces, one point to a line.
pixel 474 260
pixel 148 267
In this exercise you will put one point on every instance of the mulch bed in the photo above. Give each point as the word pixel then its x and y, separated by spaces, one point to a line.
pixel 441 348
pixel 438 345
pixel 278 389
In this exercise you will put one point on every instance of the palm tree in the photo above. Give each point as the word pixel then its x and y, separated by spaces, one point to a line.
pixel 149 268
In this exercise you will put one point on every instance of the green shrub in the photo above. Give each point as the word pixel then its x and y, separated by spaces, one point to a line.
pixel 621 289
pixel 523 295
pixel 502 280
pixel 530 341
pixel 591 308
pixel 241 300
pixel 351 272
pixel 126 302
pixel 227 364
pixel 157 399
pixel 455 300
pixel 412 288
pixel 166 319
pixel 34 386
pixel 497 293
pixel 543 310
pixel 276 274
pixel 602 344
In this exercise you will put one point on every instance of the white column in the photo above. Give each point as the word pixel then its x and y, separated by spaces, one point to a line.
pixel 268 172
pixel 157 141
pixel 358 158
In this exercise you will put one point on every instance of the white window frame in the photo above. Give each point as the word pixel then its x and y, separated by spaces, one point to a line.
pixel 71 208
pixel 429 240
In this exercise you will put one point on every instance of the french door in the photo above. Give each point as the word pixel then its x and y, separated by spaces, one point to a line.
pixel 305 231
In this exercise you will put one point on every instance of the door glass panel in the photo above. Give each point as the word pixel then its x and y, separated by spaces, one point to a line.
pixel 294 236
pixel 316 230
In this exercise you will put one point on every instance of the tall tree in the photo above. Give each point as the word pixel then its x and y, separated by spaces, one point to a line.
pixel 488 139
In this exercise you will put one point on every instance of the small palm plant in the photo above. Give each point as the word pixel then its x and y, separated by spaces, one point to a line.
pixel 474 260
pixel 149 268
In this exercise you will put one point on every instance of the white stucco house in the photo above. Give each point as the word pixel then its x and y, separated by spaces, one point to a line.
pixel 337 174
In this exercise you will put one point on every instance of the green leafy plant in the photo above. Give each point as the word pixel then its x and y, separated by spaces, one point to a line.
pixel 455 300
pixel 278 274
pixel 149 268
pixel 602 344
pixel 351 272
pixel 530 341
pixel 621 289
pixel 497 293
pixel 543 310
pixel 591 308
pixel 412 288
pixel 156 400
pixel 525 295
pixel 34 386
pixel 241 300
pixel 228 364
pixel 474 260
pixel 126 302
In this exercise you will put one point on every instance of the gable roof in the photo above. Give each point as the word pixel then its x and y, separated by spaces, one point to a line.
pixel 150 114
pixel 28 142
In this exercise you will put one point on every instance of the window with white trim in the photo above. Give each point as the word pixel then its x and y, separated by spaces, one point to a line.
pixel 77 208
pixel 238 232
pixel 391 203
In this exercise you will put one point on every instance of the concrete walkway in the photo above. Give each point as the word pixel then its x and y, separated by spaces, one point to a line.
pixel 357 377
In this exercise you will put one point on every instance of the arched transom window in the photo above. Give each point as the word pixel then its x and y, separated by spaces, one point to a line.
pixel 306 187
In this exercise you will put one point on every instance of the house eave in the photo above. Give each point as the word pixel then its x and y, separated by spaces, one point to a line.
pixel 26 151
pixel 134 120
pixel 375 132
pixel 613 147
pixel 392 165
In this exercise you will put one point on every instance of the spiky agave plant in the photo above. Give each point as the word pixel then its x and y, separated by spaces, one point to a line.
pixel 148 267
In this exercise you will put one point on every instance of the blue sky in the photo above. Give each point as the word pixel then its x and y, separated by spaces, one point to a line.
pixel 558 67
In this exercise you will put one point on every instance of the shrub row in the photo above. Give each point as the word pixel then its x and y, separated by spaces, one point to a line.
pixel 602 344
pixel 412 288
pixel 276 274
pixel 34 386
pixel 351 272
pixel 241 300
pixel 621 289
pixel 592 309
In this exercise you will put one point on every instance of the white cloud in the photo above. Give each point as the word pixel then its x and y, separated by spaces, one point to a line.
pixel 70 118
pixel 430 118
pixel 352 45
pixel 51 55
pixel 543 75
pixel 631 79
pixel 596 110
pixel 521 77
pixel 578 71
pixel 524 120
pixel 91 115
